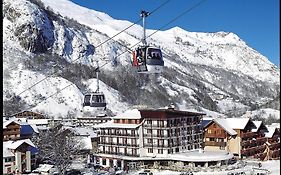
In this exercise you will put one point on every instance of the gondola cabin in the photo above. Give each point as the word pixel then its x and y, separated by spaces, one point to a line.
pixel 148 59
pixel 96 99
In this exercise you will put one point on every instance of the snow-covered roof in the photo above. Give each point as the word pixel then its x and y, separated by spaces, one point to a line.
pixel 83 131
pixel 237 123
pixel 111 124
pixel 44 168
pixel 258 124
pixel 7 152
pixel 225 125
pixel 7 122
pixel 87 142
pixel 12 145
pixel 17 143
pixel 270 132
pixel 129 114
pixel 192 156
pixel 38 121
pixel 199 156
pixel 277 125
pixel 35 128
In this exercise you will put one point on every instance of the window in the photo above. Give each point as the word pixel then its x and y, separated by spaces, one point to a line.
pixel 149 122
pixel 160 123
pixel 149 131
pixel 149 140
pixel 103 161
pixel 212 139
pixel 134 152
pixel 209 131
pixel 9 159
pixel 161 142
pixel 150 150
pixel 160 151
pixel 160 133
pixel 133 133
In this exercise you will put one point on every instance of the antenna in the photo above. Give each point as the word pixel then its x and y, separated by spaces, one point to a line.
pixel 143 15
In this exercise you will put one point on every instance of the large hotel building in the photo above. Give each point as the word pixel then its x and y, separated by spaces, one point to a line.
pixel 142 135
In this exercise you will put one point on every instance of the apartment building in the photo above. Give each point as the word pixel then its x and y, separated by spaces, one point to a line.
pixel 145 134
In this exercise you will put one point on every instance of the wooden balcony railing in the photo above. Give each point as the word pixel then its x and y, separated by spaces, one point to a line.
pixel 217 135
pixel 274 146
pixel 247 134
pixel 213 143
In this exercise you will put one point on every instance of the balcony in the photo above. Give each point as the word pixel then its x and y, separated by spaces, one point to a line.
pixel 260 140
pixel 274 146
pixel 149 135
pixel 213 143
pixel 118 134
pixel 120 153
pixel 11 132
pixel 246 143
pixel 247 135
pixel 215 135
pixel 155 145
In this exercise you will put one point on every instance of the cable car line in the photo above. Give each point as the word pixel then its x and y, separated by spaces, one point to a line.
pixel 110 38
pixel 174 19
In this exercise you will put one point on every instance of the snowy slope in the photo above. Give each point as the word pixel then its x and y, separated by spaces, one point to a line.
pixel 211 72
pixel 257 66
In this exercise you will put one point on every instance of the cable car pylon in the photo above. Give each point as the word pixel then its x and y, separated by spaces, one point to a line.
pixel 147 59
pixel 97 98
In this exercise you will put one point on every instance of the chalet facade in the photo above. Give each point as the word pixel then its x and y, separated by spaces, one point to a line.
pixel 259 141
pixel 234 135
pixel 272 143
pixel 11 130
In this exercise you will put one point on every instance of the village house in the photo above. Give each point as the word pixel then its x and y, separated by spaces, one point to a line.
pixel 15 132
pixel 11 130
pixel 241 136
pixel 17 156
pixel 232 134
pixel 29 115
pixel 148 137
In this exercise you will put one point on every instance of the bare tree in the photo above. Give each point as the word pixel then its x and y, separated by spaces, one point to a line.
pixel 58 146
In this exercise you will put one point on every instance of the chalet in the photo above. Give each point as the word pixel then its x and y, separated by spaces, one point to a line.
pixel 11 130
pixel 29 115
pixel 17 156
pixel 259 138
pixel 232 134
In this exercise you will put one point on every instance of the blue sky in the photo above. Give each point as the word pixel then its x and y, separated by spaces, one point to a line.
pixel 254 21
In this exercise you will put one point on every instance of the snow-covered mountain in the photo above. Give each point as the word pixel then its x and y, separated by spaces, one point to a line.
pixel 60 42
